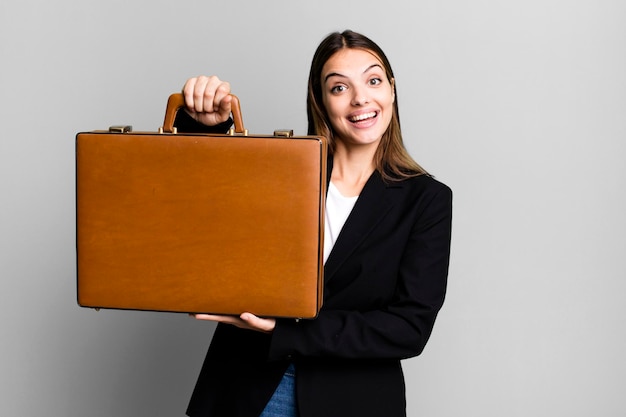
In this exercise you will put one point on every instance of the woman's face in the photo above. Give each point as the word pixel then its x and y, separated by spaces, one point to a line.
pixel 358 97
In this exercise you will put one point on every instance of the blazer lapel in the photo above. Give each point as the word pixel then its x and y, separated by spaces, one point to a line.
pixel 370 208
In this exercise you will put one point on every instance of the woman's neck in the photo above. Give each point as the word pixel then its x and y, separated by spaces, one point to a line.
pixel 351 169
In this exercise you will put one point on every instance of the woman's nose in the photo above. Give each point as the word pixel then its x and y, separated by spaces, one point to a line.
pixel 359 97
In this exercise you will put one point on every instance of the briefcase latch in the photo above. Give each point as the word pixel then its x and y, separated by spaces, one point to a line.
pixel 283 133
pixel 120 129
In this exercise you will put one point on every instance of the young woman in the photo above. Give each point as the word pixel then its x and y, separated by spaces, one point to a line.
pixel 387 247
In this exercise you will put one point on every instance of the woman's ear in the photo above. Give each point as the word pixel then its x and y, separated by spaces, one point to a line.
pixel 393 88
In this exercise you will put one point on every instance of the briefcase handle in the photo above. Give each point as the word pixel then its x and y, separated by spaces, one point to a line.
pixel 176 101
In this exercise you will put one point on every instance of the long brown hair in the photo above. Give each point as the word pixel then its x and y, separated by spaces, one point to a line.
pixel 392 159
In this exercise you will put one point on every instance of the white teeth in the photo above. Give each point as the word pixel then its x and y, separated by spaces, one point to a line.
pixel 362 117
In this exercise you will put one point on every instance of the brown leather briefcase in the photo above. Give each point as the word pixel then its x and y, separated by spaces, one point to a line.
pixel 200 223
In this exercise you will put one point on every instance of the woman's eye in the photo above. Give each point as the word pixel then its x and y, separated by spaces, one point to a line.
pixel 337 89
pixel 375 81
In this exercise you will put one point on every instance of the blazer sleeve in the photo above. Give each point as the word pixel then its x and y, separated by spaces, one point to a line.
pixel 402 327
pixel 187 124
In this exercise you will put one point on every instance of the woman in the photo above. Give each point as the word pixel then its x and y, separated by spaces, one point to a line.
pixel 387 244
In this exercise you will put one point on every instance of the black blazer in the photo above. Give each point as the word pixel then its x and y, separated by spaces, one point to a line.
pixel 385 281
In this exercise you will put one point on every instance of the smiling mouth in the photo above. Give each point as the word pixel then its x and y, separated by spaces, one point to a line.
pixel 362 117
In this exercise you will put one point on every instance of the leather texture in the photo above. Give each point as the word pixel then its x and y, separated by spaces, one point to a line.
pixel 200 223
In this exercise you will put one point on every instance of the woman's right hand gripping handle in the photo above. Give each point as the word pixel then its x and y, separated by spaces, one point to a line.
pixel 207 99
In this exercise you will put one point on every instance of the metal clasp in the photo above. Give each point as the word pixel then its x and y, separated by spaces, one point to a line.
pixel 174 130
pixel 283 133
pixel 231 132
pixel 120 129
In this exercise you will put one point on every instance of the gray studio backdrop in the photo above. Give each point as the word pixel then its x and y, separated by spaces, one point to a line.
pixel 519 106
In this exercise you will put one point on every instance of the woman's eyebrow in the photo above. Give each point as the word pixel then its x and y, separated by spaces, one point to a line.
pixel 372 66
pixel 333 74
pixel 336 74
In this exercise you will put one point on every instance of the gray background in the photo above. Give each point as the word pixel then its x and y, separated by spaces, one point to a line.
pixel 519 106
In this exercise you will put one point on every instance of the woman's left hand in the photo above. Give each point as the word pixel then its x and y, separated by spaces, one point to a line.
pixel 245 321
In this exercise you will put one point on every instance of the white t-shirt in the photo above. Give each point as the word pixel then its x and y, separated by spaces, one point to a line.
pixel 338 209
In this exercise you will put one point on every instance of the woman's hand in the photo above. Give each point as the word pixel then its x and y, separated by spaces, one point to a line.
pixel 207 99
pixel 245 321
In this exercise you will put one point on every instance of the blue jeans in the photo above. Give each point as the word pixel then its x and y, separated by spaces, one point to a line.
pixel 283 401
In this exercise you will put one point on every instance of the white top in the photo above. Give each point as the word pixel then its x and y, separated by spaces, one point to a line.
pixel 338 209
